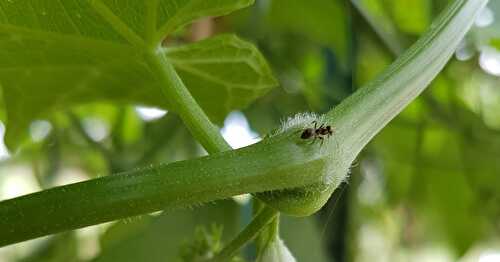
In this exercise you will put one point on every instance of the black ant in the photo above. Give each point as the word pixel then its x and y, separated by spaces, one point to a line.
pixel 317 132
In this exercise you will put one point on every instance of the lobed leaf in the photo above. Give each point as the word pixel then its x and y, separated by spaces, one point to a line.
pixel 57 54
pixel 85 18
pixel 225 65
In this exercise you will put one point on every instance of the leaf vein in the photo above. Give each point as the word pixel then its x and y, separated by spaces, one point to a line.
pixel 71 21
pixel 217 80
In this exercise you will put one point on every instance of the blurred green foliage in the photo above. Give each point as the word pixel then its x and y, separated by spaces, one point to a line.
pixel 431 178
pixel 495 43
pixel 436 159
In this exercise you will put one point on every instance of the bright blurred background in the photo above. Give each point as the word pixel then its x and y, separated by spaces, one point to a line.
pixel 426 189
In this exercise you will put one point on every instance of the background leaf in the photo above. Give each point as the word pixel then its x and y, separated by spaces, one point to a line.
pixel 160 238
pixel 310 19
pixel 297 231
pixel 496 43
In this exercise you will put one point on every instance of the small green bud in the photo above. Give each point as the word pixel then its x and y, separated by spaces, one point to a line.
pixel 276 251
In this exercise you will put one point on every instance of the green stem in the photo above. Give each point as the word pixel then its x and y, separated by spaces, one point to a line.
pixel 75 121
pixel 390 36
pixel 166 187
pixel 170 127
pixel 362 115
pixel 206 133
pixel 267 236
pixel 259 222
pixel 105 153
pixel 184 104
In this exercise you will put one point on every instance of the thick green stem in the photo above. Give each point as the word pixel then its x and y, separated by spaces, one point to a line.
pixel 184 104
pixel 165 187
pixel 259 222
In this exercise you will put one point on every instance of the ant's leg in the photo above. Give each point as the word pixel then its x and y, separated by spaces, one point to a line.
pixel 322 140
pixel 314 139
pixel 315 124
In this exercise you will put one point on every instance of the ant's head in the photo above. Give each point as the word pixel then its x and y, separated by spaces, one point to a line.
pixel 328 130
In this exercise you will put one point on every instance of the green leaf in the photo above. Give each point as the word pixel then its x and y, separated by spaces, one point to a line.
pixel 109 20
pixel 57 54
pixel 226 65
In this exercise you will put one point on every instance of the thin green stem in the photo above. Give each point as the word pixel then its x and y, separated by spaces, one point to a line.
pixel 170 126
pixel 206 133
pixel 267 236
pixel 106 154
pixel 259 222
pixel 117 130
pixel 184 104
pixel 389 36
pixel 81 131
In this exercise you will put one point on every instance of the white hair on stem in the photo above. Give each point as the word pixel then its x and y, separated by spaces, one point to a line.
pixel 299 121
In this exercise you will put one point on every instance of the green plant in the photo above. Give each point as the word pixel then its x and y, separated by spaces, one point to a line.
pixel 102 50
